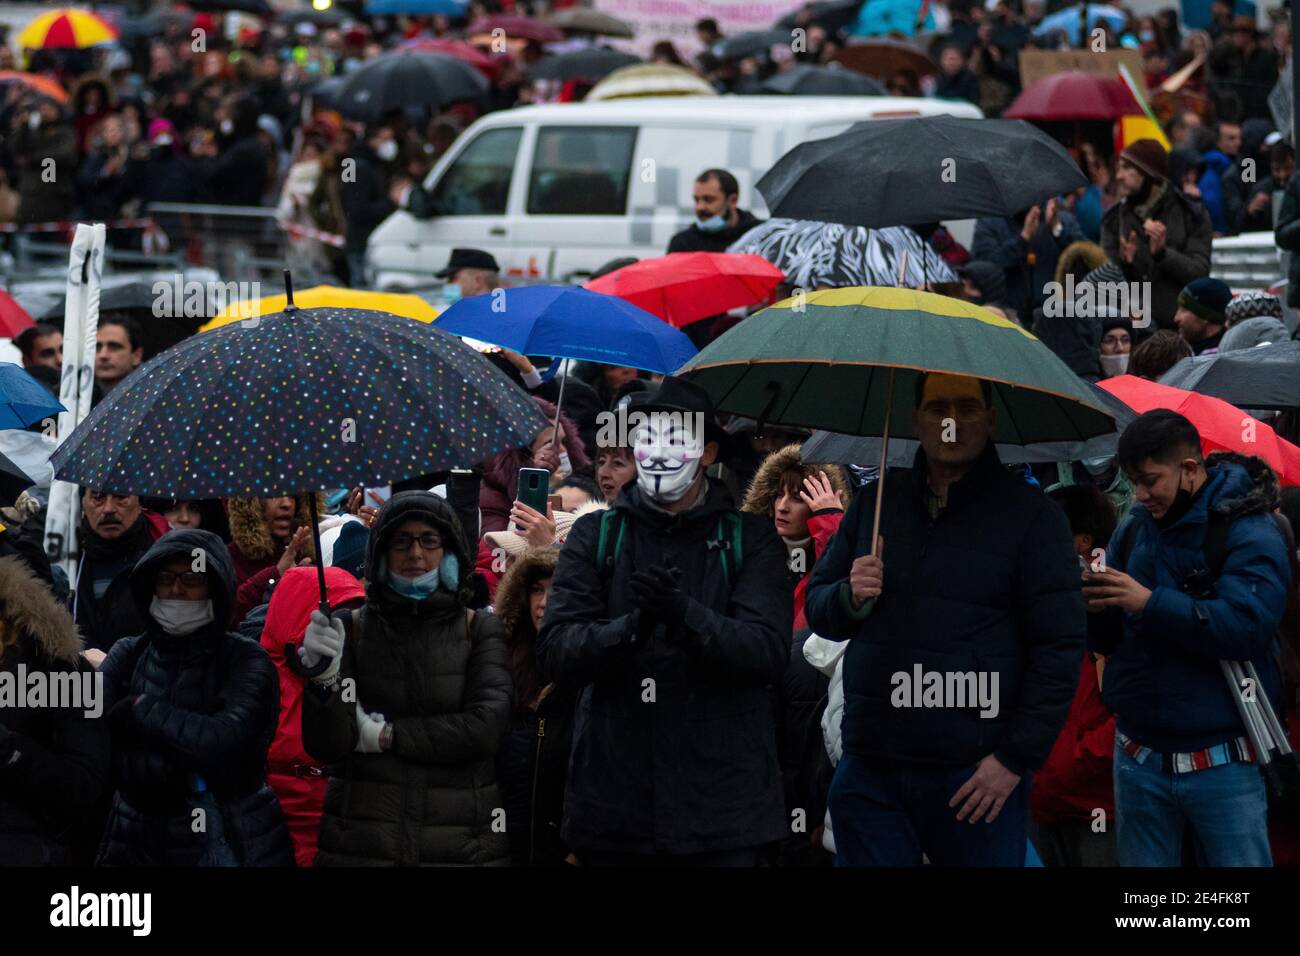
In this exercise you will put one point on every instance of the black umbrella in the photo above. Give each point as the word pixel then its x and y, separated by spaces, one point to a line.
pixel 832 16
pixel 590 65
pixel 751 44
pixel 907 172
pixel 1266 377
pixel 408 78
pixel 13 480
pixel 804 79
pixel 295 402
pixel 137 300
pixel 260 7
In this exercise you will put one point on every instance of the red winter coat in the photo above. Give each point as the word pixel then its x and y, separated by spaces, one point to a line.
pixel 1077 777
pixel 294 776
pixel 822 525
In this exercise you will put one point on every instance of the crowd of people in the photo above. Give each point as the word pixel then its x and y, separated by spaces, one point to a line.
pixel 706 649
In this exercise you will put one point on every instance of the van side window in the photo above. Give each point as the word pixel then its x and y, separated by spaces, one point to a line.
pixel 478 181
pixel 581 170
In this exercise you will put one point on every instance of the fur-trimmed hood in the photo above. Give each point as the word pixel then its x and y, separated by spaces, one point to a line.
pixel 1089 254
pixel 250 534
pixel 1264 495
pixel 766 486
pixel 511 604
pixel 27 607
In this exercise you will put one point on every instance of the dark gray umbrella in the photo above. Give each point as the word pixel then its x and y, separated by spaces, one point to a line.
pixel 1266 377
pixel 832 16
pixel 834 448
pixel 908 172
pixel 586 20
pixel 408 78
pixel 13 481
pixel 751 44
pixel 804 79
pixel 136 300
pixel 590 65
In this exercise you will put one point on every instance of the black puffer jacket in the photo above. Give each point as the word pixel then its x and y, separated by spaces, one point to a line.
pixel 694 771
pixel 205 704
pixel 53 761
pixel 445 687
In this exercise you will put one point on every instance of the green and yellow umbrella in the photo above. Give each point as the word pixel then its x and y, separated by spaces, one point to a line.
pixel 848 360
pixel 826 360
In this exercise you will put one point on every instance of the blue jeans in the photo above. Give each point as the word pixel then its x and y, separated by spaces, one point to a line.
pixel 889 814
pixel 1226 807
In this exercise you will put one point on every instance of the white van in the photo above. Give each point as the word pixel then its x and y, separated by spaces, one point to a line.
pixel 557 190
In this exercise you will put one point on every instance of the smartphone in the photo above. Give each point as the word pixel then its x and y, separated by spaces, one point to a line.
pixel 534 488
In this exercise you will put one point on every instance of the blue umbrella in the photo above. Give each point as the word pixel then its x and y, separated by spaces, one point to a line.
pixel 23 400
pixel 1068 21
pixel 570 322
pixel 427 7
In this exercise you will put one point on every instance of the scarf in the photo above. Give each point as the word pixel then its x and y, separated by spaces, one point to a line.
pixel 135 540
pixel 1144 210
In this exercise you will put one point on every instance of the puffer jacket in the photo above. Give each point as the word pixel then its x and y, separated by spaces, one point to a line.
pixel 696 770
pixel 53 760
pixel 1163 681
pixel 444 685
pixel 201 707
pixel 298 781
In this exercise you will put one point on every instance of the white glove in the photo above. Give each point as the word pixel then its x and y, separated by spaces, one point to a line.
pixel 369 725
pixel 322 639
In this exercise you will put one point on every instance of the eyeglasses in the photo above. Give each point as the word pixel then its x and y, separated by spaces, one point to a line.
pixel 189 579
pixel 962 412
pixel 429 541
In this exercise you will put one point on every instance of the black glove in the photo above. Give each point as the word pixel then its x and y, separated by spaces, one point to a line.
pixel 658 593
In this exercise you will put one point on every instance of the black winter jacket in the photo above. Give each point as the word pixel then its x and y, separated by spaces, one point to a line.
pixel 990 587
pixel 693 770
pixel 204 705
pixel 695 239
pixel 445 687
pixel 532 767
pixel 53 761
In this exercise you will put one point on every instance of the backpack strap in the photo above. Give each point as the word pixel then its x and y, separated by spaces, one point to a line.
pixel 606 559
pixel 726 541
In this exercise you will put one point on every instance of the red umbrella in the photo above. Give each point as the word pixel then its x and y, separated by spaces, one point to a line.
pixel 13 317
pixel 517 27
pixel 1223 427
pixel 461 51
pixel 683 287
pixel 1073 96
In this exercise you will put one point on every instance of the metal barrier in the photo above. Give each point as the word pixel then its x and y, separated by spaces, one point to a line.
pixel 237 241
pixel 1249 261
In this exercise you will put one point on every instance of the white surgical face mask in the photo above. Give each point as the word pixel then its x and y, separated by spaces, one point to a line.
pixel 566 467
pixel 387 150
pixel 179 618
pixel 667 451
pixel 227 127
pixel 1112 365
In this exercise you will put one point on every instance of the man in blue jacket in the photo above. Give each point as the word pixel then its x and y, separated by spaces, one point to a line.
pixel 1182 756
pixel 964 647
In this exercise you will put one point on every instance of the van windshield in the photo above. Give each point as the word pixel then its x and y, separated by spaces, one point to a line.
pixel 478 181
pixel 581 170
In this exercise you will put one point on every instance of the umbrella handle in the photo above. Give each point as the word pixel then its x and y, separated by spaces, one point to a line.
pixel 884 456
pixel 315 537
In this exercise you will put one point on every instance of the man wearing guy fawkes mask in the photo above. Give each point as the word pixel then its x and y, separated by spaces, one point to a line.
pixel 672 611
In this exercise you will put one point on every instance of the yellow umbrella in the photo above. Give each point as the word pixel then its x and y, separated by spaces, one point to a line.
pixel 411 306
pixel 66 29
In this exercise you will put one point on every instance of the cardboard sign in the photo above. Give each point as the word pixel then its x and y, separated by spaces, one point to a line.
pixel 1036 65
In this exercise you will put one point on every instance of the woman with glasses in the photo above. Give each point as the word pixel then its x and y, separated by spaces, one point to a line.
pixel 407 702
pixel 192 709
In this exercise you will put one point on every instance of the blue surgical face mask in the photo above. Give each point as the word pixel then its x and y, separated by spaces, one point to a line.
pixel 712 224
pixel 446 575
pixel 451 293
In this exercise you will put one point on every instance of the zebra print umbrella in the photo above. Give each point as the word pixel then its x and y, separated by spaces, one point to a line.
pixel 817 255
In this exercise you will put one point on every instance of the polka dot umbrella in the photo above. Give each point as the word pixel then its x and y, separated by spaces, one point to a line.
pixel 298 401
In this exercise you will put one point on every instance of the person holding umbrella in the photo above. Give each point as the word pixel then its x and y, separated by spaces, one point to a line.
pixel 671 613
pixel 408 702
pixel 981 589
pixel 1155 233
pixel 1196 575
